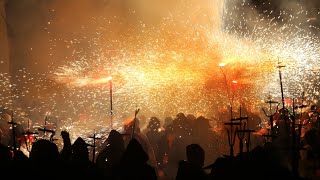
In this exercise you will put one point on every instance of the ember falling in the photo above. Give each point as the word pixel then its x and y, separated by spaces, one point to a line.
pixel 164 57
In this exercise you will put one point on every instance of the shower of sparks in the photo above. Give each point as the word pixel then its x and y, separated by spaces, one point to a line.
pixel 179 65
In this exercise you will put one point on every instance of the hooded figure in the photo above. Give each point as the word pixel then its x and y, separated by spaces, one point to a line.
pixel 134 163
pixel 81 165
pixel 108 159
pixel 141 138
pixel 80 150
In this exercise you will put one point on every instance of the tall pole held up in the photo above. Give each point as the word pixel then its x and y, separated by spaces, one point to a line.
pixel 111 108
pixel 281 86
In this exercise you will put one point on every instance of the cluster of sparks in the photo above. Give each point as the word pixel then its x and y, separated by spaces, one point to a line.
pixel 174 67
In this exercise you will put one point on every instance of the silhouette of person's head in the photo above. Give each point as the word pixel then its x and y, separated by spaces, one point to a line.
pixel 203 122
pixel 115 138
pixel 195 154
pixel 80 150
pixel 191 119
pixel 154 124
pixel 179 120
pixel 134 153
pixel 44 151
pixel 180 116
pixel 167 121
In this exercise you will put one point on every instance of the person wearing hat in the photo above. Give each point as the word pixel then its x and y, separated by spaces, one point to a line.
pixel 108 159
pixel 142 138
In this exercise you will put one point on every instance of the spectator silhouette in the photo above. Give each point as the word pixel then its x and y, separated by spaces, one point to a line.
pixel 81 166
pixel 167 121
pixel 141 138
pixel 171 150
pixel 153 134
pixel 134 163
pixel 20 161
pixel 44 158
pixel 66 151
pixel 5 154
pixel 206 138
pixel 191 119
pixel 80 152
pixel 108 160
pixel 44 151
pixel 192 167
pixel 5 159
pixel 270 158
pixel 183 129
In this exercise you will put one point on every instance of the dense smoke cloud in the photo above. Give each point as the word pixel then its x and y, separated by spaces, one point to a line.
pixel 47 34
pixel 35 26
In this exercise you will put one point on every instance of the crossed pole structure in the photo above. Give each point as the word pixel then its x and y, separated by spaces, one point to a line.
pixel 232 132
pixel 45 130
pixel 26 136
pixel 239 129
pixel 13 129
pixel 240 132
pixel 232 135
pixel 296 141
pixel 270 116
pixel 94 137
pixel 294 148
pixel 282 94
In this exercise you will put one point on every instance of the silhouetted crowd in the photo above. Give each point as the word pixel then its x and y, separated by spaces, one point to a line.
pixel 184 147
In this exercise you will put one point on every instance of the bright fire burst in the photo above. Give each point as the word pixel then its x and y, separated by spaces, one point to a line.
pixel 186 63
